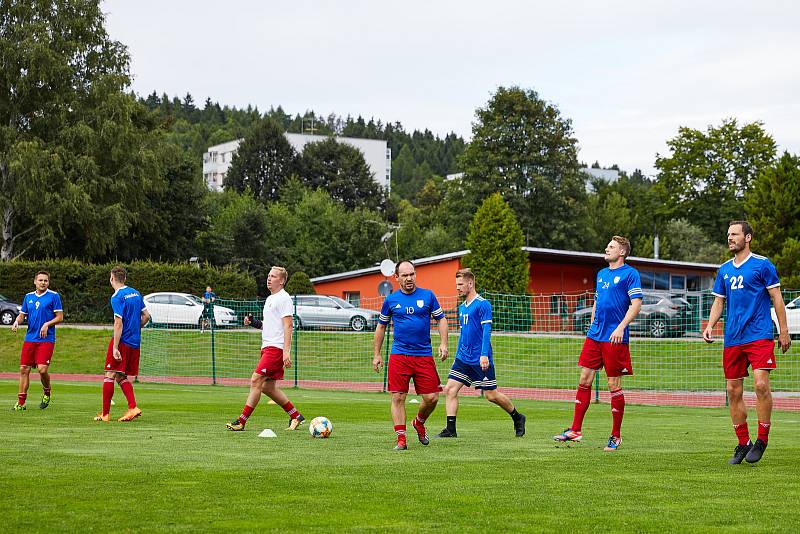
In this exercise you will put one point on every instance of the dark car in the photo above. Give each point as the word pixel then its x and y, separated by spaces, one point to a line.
pixel 8 311
pixel 661 315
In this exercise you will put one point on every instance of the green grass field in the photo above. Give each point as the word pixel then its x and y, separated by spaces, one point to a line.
pixel 177 468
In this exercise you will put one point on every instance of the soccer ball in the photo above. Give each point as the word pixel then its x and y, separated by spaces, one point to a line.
pixel 320 427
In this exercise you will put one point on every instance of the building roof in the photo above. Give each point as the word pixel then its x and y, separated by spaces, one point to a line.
pixel 541 253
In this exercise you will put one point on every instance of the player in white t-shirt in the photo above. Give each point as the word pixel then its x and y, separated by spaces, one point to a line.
pixel 276 346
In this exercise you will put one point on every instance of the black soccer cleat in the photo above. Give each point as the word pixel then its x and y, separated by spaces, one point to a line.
pixel 739 453
pixel 446 433
pixel 756 452
pixel 519 426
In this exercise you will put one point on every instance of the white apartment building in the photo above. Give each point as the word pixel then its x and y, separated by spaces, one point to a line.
pixel 378 156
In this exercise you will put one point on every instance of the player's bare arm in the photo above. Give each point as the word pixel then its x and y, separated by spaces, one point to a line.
pixel 287 341
pixel 59 317
pixel 780 312
pixel 630 315
pixel 444 352
pixel 117 336
pixel 18 321
pixel 377 361
pixel 144 318
pixel 713 317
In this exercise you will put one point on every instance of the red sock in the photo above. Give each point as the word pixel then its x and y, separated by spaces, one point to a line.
pixel 127 390
pixel 21 398
pixel 763 431
pixel 247 411
pixel 742 433
pixel 400 430
pixel 108 393
pixel 582 399
pixel 291 410
pixel 421 420
pixel 617 411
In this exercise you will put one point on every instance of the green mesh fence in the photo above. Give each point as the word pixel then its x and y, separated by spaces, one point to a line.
pixel 536 342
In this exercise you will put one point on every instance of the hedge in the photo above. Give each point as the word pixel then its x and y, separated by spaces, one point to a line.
pixel 85 290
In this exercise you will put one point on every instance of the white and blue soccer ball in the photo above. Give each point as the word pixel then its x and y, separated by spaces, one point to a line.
pixel 320 427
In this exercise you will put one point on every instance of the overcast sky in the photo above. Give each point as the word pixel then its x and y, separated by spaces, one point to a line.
pixel 627 74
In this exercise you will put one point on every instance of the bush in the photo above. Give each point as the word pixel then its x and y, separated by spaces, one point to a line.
pixel 300 284
pixel 85 289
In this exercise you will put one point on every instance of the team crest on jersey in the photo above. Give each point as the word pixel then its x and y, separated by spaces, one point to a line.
pixel 420 303
pixel 616 279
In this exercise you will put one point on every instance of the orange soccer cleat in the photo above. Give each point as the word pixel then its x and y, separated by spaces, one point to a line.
pixel 102 417
pixel 130 415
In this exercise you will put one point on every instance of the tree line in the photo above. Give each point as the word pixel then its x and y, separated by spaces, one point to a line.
pixel 91 171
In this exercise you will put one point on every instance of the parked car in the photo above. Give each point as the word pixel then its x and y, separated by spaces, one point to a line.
pixel 183 308
pixel 661 315
pixel 792 318
pixel 8 311
pixel 324 310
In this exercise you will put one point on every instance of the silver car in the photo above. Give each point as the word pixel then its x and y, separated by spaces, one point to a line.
pixel 323 310
pixel 183 308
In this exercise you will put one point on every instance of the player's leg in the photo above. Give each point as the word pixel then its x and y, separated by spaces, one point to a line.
pixel 734 363
pixel 617 412
pixel 451 390
pixel 257 381
pixel 764 411
pixel 583 398
pixel 24 383
pixel 271 390
pixel 427 385
pixel 130 367
pixel 398 408
pixel 399 371
pixel 494 396
pixel 108 393
pixel 44 377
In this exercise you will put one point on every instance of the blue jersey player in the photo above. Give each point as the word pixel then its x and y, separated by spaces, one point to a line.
pixel 617 301
pixel 744 286
pixel 411 308
pixel 122 356
pixel 473 364
pixel 43 310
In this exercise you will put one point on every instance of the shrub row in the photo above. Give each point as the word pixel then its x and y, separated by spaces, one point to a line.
pixel 85 289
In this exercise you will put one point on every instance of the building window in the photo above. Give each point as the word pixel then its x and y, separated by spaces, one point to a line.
pixel 678 281
pixel 661 281
pixel 647 279
pixel 558 305
pixel 353 297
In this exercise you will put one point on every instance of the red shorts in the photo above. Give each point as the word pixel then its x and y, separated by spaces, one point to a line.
pixel 615 357
pixel 129 364
pixel 422 369
pixel 758 354
pixel 36 353
pixel 271 363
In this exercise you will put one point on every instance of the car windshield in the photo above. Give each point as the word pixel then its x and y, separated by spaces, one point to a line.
pixel 343 303
pixel 196 299
pixel 3 297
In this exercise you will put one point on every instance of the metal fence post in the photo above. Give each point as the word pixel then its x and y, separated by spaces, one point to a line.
pixel 296 332
pixel 597 387
pixel 386 359
pixel 213 347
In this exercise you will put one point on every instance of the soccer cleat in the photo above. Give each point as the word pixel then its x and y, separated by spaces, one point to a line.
pixel 756 452
pixel 130 415
pixel 613 444
pixel 739 453
pixel 102 417
pixel 45 402
pixel 237 425
pixel 19 407
pixel 519 426
pixel 568 435
pixel 422 434
pixel 296 422
pixel 447 434
pixel 401 447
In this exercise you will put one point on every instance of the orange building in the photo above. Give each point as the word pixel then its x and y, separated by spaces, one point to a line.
pixel 552 272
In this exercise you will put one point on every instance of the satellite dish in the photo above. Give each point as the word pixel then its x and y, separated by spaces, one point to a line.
pixel 387 267
pixel 384 288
